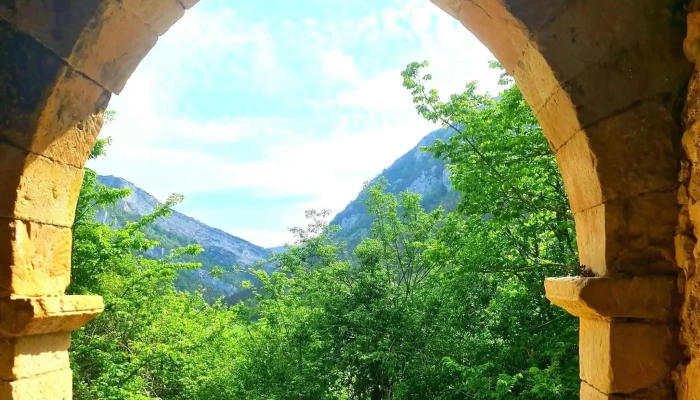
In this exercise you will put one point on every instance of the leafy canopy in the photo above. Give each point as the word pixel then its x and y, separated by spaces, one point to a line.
pixel 430 305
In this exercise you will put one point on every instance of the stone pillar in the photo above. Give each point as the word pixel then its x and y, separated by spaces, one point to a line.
pixel 688 226
pixel 34 341
pixel 50 116
pixel 60 60
pixel 36 317
pixel 627 340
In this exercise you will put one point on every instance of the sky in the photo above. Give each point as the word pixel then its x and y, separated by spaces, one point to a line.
pixel 257 111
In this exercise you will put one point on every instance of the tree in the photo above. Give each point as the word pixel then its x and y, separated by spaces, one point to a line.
pixel 151 342
pixel 404 318
pixel 430 305
pixel 513 220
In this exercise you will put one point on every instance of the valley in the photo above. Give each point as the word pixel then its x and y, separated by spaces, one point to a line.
pixel 415 171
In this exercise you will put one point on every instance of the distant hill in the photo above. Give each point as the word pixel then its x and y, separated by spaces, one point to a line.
pixel 415 171
pixel 221 248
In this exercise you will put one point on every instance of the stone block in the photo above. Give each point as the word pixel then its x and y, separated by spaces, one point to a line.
pixel 98 38
pixel 55 24
pixel 660 392
pixel 558 118
pixel 688 381
pixel 23 316
pixel 497 29
pixel 577 163
pixel 684 225
pixel 589 393
pixel 690 317
pixel 538 85
pixel 110 50
pixel 691 112
pixel 691 43
pixel 632 236
pixel 47 107
pixel 626 357
pixel 57 385
pixel 70 120
pixel 35 259
pixel 159 15
pixel 631 153
pixel 648 297
pixel 682 195
pixel 449 6
pixel 27 71
pixel 694 211
pixel 685 246
pixel 37 189
pixel 691 145
pixel 188 3
pixel 29 356
pixel 684 173
pixel 596 52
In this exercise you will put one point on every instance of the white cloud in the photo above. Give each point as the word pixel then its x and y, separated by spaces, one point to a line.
pixel 381 93
pixel 338 65
pixel 160 146
pixel 259 236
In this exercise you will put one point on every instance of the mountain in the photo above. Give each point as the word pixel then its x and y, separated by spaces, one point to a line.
pixel 220 248
pixel 415 171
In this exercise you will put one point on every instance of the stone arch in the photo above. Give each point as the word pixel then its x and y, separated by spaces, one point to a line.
pixel 606 80
pixel 609 100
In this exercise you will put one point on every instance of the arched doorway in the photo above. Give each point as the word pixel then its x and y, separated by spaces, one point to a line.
pixel 606 81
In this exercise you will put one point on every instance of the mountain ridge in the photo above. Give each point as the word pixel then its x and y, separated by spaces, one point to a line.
pixel 221 249
pixel 416 171
pixel 111 178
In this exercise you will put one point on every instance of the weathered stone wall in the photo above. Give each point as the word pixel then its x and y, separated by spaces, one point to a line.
pixel 606 81
pixel 625 353
pixel 687 376
pixel 60 61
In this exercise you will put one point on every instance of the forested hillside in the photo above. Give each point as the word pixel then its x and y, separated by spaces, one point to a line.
pixel 429 304
pixel 178 230
pixel 417 171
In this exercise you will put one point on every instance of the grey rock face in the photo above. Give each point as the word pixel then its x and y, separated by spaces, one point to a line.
pixel 415 171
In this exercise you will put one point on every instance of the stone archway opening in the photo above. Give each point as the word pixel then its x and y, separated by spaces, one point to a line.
pixel 609 102
pixel 606 81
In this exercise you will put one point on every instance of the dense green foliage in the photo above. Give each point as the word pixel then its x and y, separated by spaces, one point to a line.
pixel 178 231
pixel 151 342
pixel 429 305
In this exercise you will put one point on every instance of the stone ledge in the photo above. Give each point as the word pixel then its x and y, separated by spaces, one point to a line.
pixel 25 316
pixel 647 298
